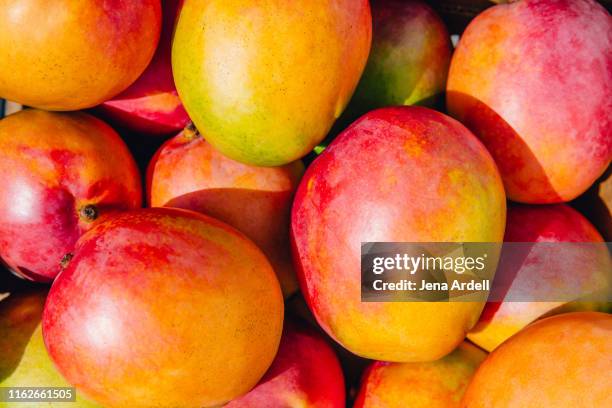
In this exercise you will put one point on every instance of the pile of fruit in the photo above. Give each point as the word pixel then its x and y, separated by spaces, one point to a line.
pixel 292 132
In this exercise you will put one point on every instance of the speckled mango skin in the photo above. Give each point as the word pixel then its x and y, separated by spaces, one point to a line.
pixel 560 361
pixel 545 223
pixel 24 361
pixel 54 165
pixel 151 106
pixel 409 59
pixel 168 308
pixel 533 80
pixel 187 172
pixel 305 373
pixel 436 384
pixel 397 174
pixel 264 80
pixel 69 55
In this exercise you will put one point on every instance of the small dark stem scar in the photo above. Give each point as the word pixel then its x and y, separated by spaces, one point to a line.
pixel 89 212
pixel 66 260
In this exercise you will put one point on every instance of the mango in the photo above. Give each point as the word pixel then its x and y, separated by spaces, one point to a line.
pixel 265 80
pixel 397 174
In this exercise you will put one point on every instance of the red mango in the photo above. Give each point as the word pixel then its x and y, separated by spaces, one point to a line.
pixel 151 105
pixel 305 372
pixel 533 80
pixel 62 172
pixel 164 307
pixel 396 174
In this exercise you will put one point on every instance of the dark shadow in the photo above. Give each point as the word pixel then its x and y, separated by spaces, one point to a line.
pixel 596 204
pixel 142 147
pixel 20 314
pixel 29 276
pixel 10 282
pixel 510 152
pixel 457 14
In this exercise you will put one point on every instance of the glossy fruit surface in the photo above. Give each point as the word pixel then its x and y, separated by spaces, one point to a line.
pixel 168 308
pixel 436 384
pixel 187 172
pixel 544 276
pixel 62 172
pixel 532 80
pixel 151 106
pixel 69 55
pixel 409 59
pixel 402 174
pixel 560 361
pixel 305 372
pixel 265 80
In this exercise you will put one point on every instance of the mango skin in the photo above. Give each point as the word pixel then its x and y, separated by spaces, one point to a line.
pixel 187 172
pixel 151 106
pixel 265 80
pixel 163 307
pixel 24 361
pixel 70 55
pixel 409 59
pixel 539 99
pixel 305 373
pixel 560 361
pixel 436 384
pixel 397 174
pixel 56 164
pixel 543 223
